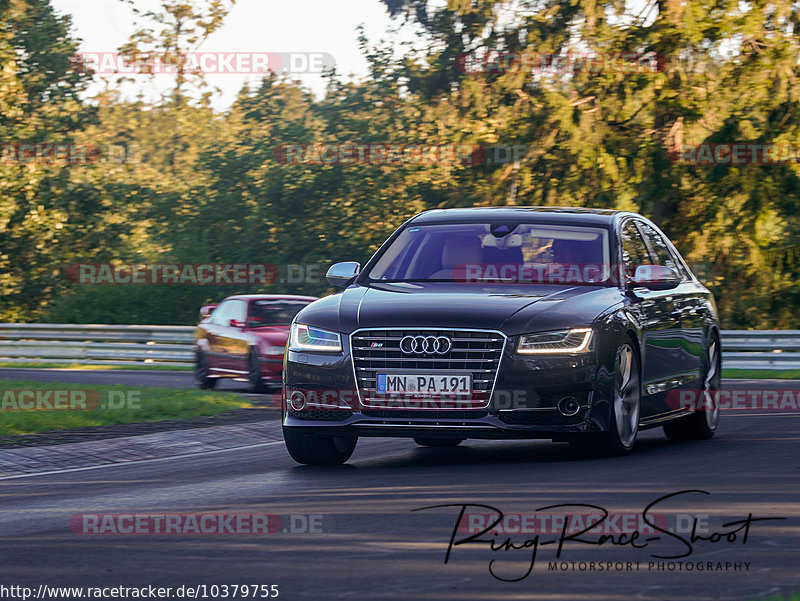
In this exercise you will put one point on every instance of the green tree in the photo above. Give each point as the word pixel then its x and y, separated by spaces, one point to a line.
pixel 608 137
pixel 41 210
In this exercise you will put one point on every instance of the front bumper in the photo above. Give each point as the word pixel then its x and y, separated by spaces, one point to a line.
pixel 487 427
pixel 523 404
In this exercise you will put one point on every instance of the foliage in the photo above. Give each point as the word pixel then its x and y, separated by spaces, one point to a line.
pixel 43 214
pixel 201 185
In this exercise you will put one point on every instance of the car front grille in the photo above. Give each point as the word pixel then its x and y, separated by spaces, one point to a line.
pixel 475 351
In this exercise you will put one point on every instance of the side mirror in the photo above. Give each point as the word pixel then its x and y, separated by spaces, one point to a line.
pixel 655 277
pixel 235 323
pixel 206 311
pixel 343 274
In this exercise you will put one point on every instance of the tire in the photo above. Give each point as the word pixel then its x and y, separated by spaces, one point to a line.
pixel 254 372
pixel 312 449
pixel 702 424
pixel 201 377
pixel 438 442
pixel 624 423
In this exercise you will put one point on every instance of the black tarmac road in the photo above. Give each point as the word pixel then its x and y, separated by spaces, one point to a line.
pixel 167 379
pixel 370 543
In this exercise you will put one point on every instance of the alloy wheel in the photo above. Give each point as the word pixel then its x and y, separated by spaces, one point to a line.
pixel 711 386
pixel 626 396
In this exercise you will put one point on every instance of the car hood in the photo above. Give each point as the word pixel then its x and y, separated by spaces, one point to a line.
pixel 271 335
pixel 508 308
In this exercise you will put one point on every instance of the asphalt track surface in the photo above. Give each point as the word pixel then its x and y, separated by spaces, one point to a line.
pixel 167 379
pixel 371 544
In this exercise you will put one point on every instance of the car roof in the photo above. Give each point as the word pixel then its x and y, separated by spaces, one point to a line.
pixel 551 214
pixel 249 297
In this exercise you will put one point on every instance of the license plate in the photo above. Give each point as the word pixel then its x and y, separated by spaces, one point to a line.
pixel 427 384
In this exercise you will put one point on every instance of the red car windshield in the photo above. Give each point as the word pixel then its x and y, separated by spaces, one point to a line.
pixel 264 313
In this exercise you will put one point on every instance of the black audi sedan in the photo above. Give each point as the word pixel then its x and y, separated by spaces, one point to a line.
pixel 576 325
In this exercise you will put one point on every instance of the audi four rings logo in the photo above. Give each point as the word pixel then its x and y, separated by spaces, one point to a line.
pixel 426 345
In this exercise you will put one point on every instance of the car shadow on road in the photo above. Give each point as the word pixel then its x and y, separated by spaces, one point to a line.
pixel 488 453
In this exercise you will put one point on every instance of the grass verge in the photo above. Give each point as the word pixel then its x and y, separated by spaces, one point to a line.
pixel 81 405
pixel 761 374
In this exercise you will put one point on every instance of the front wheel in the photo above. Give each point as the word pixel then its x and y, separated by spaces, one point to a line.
pixel 312 449
pixel 254 373
pixel 702 424
pixel 621 435
pixel 201 371
pixel 438 442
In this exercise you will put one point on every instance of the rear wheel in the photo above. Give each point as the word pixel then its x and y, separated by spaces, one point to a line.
pixel 254 372
pixel 201 371
pixel 312 449
pixel 438 442
pixel 702 424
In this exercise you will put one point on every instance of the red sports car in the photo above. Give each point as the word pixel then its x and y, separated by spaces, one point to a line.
pixel 244 337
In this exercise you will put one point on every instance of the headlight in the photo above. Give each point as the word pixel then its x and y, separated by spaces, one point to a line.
pixel 309 338
pixel 562 341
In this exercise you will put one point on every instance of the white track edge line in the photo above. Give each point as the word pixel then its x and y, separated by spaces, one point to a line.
pixel 138 461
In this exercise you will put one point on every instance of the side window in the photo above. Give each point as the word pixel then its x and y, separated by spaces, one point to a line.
pixel 634 250
pixel 663 256
pixel 220 315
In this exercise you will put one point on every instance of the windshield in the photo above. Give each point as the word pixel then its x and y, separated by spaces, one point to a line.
pixel 497 253
pixel 273 313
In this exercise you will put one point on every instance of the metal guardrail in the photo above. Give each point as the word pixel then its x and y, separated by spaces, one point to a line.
pixel 761 349
pixel 172 345
pixel 96 344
